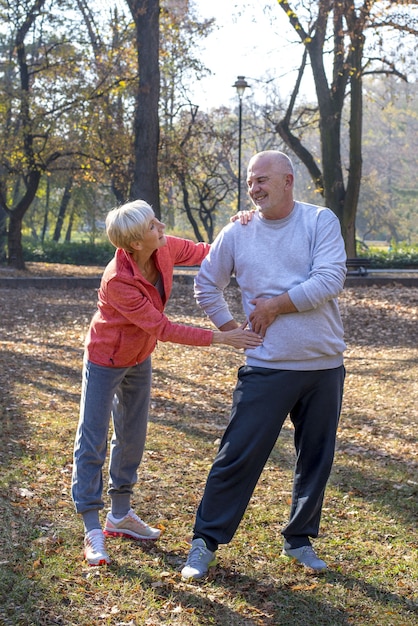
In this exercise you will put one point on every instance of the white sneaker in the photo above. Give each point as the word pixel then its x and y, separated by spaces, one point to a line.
pixel 198 561
pixel 95 549
pixel 130 526
pixel 307 556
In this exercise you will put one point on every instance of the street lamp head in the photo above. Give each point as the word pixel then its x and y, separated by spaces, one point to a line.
pixel 240 85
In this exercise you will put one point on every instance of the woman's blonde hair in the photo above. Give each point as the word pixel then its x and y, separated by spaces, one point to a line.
pixel 128 223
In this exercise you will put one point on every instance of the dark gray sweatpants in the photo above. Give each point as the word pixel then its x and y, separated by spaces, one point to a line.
pixel 261 402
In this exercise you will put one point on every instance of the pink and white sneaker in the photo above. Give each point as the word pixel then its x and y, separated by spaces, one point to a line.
pixel 130 526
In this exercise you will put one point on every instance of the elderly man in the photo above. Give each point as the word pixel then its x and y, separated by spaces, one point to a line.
pixel 289 262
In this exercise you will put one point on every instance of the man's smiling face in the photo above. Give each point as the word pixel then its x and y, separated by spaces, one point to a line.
pixel 270 187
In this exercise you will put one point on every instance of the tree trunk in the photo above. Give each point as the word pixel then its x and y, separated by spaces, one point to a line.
pixel 15 248
pixel 348 222
pixel 187 206
pixel 34 169
pixel 3 235
pixel 340 195
pixel 145 184
pixel 14 239
pixel 65 200
pixel 46 213
pixel 330 103
pixel 70 226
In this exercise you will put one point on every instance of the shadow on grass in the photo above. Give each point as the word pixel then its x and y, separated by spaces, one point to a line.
pixel 374 486
pixel 269 603
pixel 264 600
pixel 225 597
pixel 28 383
pixel 261 602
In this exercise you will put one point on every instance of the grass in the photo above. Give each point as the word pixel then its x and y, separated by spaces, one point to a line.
pixel 368 530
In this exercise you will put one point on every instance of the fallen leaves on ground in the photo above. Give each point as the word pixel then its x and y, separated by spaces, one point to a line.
pixel 373 486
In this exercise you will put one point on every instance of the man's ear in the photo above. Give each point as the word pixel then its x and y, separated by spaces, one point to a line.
pixel 289 180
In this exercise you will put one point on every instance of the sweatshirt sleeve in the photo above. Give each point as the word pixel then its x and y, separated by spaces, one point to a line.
pixel 213 278
pixel 187 252
pixel 328 271
pixel 138 310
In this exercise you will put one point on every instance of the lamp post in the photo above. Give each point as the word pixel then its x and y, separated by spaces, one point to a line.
pixel 240 85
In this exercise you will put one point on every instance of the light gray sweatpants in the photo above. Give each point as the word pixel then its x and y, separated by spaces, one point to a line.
pixel 122 393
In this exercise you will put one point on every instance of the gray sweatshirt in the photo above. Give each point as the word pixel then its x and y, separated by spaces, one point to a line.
pixel 303 255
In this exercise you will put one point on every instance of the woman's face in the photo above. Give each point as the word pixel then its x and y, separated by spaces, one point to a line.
pixel 154 236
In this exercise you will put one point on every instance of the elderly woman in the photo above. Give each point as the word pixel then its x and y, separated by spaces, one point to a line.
pixel 116 381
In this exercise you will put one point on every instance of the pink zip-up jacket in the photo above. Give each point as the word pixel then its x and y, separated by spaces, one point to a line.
pixel 130 316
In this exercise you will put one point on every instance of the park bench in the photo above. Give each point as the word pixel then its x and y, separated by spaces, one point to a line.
pixel 355 267
pixel 358 266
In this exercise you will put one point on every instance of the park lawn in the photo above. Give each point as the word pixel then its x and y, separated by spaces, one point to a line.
pixel 368 532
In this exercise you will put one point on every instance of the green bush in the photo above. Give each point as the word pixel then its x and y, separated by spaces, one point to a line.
pixel 85 253
pixel 82 253
pixel 396 257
